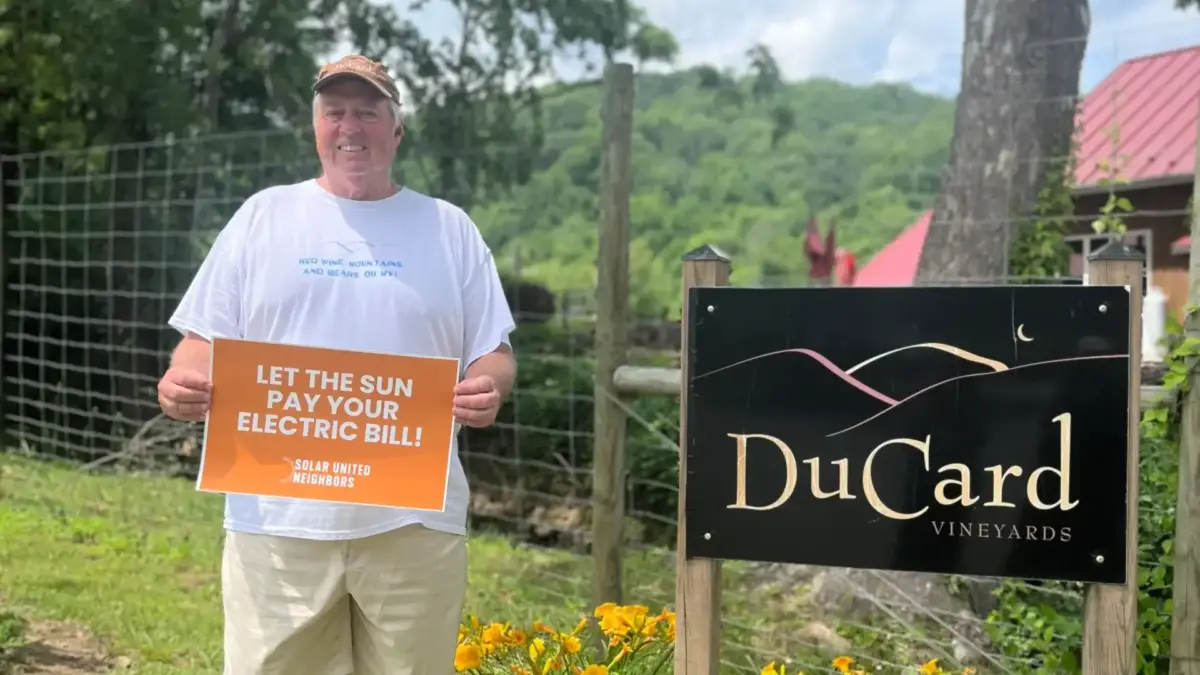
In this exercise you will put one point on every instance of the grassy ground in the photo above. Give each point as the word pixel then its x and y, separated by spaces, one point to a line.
pixel 136 560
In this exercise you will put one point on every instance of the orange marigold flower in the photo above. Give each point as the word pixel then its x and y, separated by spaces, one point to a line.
pixel 842 664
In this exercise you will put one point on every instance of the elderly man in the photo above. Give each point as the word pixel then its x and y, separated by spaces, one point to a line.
pixel 316 588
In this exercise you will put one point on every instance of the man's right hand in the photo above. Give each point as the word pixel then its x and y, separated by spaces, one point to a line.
pixel 184 394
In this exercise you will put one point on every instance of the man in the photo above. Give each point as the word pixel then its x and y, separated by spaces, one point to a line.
pixel 316 588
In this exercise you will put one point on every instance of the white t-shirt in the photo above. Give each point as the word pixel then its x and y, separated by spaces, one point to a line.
pixel 284 270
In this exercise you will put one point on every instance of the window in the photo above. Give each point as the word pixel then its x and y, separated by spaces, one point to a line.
pixel 1083 246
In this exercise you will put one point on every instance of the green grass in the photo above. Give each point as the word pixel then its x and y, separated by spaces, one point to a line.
pixel 136 559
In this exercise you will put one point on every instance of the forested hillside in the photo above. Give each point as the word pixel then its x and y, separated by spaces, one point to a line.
pixel 729 161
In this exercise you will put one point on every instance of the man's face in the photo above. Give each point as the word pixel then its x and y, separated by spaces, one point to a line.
pixel 355 132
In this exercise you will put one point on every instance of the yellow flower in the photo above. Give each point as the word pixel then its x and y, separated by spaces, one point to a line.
pixel 604 610
pixel 614 624
pixel 570 644
pixel 769 669
pixel 842 664
pixel 493 634
pixel 668 617
pixel 595 669
pixel 580 626
pixel 466 657
pixel 930 668
pixel 537 648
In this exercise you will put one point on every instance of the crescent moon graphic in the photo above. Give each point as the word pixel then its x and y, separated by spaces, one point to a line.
pixel 1021 334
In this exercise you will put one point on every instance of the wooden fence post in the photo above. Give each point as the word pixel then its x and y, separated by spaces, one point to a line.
pixel 1110 612
pixel 1185 619
pixel 612 334
pixel 697 582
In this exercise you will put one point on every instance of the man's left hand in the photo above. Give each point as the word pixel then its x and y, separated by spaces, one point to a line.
pixel 476 401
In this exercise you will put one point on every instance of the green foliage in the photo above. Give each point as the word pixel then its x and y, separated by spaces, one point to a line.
pixel 12 632
pixel 741 172
pixel 1040 250
pixel 1111 219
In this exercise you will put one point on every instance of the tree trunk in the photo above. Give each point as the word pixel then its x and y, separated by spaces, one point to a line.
pixel 1015 116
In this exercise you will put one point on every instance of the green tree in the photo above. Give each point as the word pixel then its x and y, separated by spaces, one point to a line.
pixel 480 97
pixel 765 76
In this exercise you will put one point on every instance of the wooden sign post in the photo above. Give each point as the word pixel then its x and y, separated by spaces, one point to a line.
pixel 1110 612
pixel 697 582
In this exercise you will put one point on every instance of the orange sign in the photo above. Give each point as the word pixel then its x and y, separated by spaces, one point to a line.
pixel 329 425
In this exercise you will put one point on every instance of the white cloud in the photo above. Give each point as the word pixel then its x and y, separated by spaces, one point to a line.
pixel 860 41
pixel 914 41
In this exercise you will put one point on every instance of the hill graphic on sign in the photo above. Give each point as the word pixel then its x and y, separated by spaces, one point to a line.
pixel 847 375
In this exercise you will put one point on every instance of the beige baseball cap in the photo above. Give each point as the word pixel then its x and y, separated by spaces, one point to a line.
pixel 364 69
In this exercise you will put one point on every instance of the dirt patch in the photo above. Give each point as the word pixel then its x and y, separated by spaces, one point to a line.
pixel 56 648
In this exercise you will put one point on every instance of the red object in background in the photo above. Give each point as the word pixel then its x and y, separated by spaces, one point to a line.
pixel 827 261
pixel 896 264
pixel 844 268
pixel 1152 101
pixel 821 254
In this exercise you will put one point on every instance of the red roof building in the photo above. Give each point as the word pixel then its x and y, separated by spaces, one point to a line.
pixel 1142 121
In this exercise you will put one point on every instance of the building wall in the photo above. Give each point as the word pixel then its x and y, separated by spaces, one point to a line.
pixel 1161 211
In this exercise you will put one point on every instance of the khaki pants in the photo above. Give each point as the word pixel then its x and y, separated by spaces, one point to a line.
pixel 383 605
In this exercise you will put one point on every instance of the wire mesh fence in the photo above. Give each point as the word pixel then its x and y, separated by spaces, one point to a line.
pixel 99 244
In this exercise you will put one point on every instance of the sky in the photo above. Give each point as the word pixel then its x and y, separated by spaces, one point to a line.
pixel 864 41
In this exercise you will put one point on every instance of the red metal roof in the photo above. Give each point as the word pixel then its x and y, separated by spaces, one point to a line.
pixel 896 264
pixel 1153 103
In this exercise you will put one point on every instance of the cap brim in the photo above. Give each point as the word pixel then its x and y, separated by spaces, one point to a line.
pixel 329 79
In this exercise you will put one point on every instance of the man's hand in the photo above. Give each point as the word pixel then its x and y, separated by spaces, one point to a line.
pixel 476 401
pixel 184 394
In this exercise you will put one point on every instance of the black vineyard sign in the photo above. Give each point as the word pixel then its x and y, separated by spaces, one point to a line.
pixel 972 430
